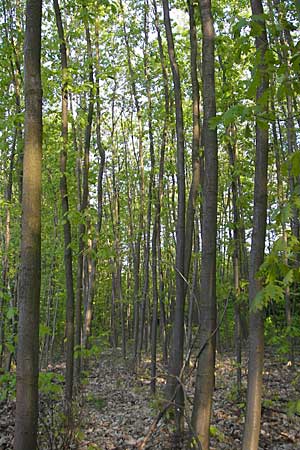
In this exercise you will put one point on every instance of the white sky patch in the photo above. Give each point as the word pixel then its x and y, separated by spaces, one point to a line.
pixel 181 18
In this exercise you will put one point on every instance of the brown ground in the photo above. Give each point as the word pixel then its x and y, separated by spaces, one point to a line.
pixel 116 410
pixel 126 409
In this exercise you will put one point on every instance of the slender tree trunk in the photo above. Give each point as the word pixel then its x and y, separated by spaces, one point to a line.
pixel 44 357
pixel 256 330
pixel 139 308
pixel 206 361
pixel 196 160
pixel 193 311
pixel 236 258
pixel 5 259
pixel 176 356
pixel 92 279
pixel 67 225
pixel 16 75
pixel 157 271
pixel 83 207
pixel 30 271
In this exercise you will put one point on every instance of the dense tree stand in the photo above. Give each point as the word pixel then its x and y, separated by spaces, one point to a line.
pixel 161 221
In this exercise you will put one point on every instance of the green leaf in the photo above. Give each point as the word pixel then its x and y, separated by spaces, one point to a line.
pixel 11 312
pixel 295 164
pixel 289 278
pixel 238 26
pixel 271 292
pixel 44 330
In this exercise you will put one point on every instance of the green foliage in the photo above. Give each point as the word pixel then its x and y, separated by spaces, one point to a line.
pixel 93 351
pixel 51 384
pixel 44 331
pixel 217 434
pixel 7 386
pixel 96 401
pixel 271 292
pixel 276 273
pixel 293 407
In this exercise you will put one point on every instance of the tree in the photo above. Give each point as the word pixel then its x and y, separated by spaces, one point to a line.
pixel 206 359
pixel 176 354
pixel 256 326
pixel 30 270
pixel 67 224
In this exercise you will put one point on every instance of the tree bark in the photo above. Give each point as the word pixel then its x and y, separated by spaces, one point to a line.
pixel 83 207
pixel 196 160
pixel 206 362
pixel 67 225
pixel 30 271
pixel 5 259
pixel 256 330
pixel 236 257
pixel 176 355
pixel 93 262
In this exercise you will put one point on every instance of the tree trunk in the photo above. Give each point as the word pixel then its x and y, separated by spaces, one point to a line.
pixel 176 355
pixel 93 262
pixel 5 259
pixel 30 271
pixel 206 362
pixel 67 225
pixel 139 308
pixel 196 160
pixel 83 207
pixel 236 257
pixel 156 240
pixel 256 330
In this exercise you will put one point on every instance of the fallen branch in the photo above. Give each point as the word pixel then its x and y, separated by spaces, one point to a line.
pixel 156 421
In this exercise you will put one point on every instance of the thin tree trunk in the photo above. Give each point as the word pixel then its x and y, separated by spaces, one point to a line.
pixel 5 260
pixel 138 307
pixel 83 207
pixel 236 259
pixel 92 278
pixel 30 270
pixel 193 312
pixel 256 330
pixel 176 355
pixel 208 311
pixel 17 143
pixel 67 225
pixel 157 271
pixel 196 160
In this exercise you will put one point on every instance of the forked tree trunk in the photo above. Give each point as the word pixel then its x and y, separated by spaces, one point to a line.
pixel 30 271
pixel 206 361
pixel 256 330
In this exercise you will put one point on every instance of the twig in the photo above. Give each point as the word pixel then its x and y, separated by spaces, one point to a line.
pixel 156 421
pixel 211 336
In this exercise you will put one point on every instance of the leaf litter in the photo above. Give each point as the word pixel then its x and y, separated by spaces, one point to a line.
pixel 127 409
pixel 116 409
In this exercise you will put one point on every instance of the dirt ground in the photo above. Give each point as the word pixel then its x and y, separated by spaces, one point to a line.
pixel 115 409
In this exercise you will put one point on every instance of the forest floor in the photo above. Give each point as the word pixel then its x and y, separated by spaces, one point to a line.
pixel 119 409
pixel 116 409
